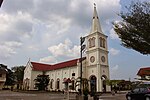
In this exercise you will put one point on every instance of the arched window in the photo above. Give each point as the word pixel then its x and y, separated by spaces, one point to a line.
pixel 73 83
pixel 26 84
pixel 104 78
pixel 101 42
pixel 51 84
pixel 92 42
pixel 58 84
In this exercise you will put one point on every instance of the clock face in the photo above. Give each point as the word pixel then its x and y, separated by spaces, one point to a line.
pixel 92 59
pixel 103 59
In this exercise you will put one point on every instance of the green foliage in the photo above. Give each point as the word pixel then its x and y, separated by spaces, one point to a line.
pixel 113 82
pixel 85 91
pixel 134 29
pixel 9 75
pixel 10 78
pixel 3 66
pixel 41 82
pixel 119 84
pixel 14 75
pixel 85 86
pixel 18 73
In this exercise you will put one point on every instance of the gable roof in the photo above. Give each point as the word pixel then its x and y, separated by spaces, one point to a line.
pixel 47 67
pixel 40 66
pixel 144 71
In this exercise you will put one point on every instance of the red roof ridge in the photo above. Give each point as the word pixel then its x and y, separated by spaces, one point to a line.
pixel 40 66
pixel 40 63
pixel 47 67
pixel 66 61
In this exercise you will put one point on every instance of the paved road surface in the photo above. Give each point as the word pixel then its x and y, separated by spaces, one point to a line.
pixel 110 97
pixel 34 95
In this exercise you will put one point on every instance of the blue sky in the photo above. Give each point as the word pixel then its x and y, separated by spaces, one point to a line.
pixel 48 31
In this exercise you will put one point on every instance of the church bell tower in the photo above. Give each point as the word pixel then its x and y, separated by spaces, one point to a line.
pixel 97 69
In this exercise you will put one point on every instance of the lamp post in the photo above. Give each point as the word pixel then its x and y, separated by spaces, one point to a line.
pixel 82 47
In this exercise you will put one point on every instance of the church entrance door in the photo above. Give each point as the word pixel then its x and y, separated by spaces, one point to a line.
pixel 93 84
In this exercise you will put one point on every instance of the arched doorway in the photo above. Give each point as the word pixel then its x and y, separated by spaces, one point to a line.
pixel 93 83
pixel 51 84
pixel 58 84
pixel 26 84
pixel 104 78
pixel 73 83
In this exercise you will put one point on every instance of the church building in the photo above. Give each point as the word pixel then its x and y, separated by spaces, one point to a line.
pixel 95 65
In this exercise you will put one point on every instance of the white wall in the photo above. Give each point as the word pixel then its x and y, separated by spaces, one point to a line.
pixel 27 73
pixel 61 74
pixel 33 77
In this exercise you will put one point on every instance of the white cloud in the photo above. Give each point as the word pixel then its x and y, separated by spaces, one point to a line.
pixel 49 59
pixel 59 24
pixel 35 25
pixel 65 49
pixel 4 22
pixel 113 35
pixel 33 47
pixel 13 44
pixel 114 51
pixel 62 50
pixel 13 29
pixel 6 52
pixel 7 49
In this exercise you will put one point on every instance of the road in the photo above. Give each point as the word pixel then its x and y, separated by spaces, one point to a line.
pixel 34 95
pixel 113 97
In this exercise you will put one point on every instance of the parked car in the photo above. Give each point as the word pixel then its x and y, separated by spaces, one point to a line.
pixel 141 92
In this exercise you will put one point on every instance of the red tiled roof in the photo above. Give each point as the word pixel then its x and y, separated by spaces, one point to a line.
pixel 46 67
pixel 144 71
pixel 40 66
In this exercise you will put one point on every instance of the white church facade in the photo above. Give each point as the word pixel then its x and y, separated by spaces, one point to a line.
pixel 95 65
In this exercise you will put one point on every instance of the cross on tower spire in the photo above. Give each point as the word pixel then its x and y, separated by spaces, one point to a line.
pixel 94 4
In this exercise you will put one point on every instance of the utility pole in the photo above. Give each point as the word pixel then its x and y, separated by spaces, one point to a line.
pixel 82 47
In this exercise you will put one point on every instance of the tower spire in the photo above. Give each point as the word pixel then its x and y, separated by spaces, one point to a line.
pixel 95 22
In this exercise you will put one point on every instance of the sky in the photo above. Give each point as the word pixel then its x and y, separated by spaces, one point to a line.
pixel 49 31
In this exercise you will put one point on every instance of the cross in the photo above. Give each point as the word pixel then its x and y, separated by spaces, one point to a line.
pixel 94 4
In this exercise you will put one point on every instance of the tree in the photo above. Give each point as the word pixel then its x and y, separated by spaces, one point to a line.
pixel 41 82
pixel 3 66
pixel 14 75
pixel 134 29
pixel 10 78
pixel 9 75
pixel 18 72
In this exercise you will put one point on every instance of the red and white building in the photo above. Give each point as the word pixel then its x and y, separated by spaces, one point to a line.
pixel 144 73
pixel 95 64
